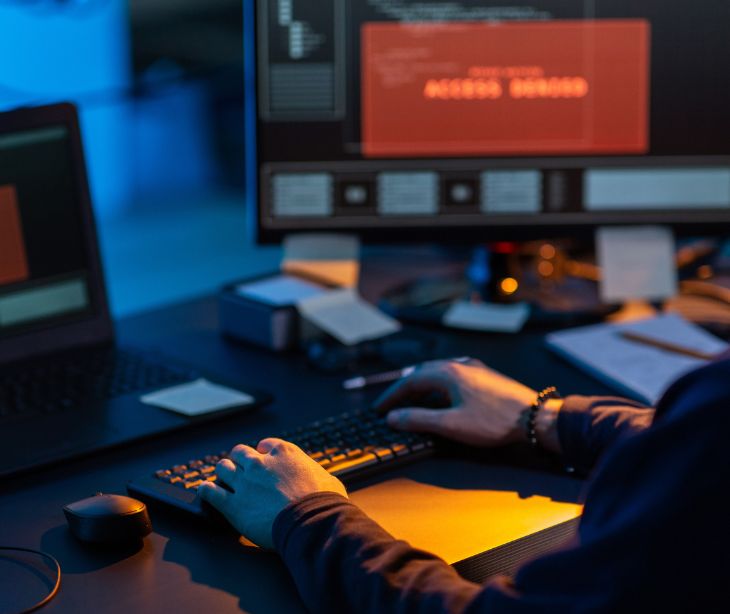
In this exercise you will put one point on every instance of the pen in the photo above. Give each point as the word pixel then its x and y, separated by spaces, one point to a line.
pixel 666 345
pixel 362 381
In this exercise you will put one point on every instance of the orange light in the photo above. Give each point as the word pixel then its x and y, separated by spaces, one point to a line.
pixel 509 285
pixel 545 268
pixel 705 272
pixel 547 251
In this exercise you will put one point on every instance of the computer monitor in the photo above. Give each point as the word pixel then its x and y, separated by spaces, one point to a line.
pixel 476 120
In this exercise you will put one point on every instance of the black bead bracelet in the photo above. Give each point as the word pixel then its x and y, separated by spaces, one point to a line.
pixel 542 397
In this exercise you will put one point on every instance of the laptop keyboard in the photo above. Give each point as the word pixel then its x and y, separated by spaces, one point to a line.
pixel 74 381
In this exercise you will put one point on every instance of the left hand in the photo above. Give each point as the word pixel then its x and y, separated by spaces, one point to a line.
pixel 263 482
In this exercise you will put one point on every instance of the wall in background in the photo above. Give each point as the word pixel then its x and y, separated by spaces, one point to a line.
pixel 162 118
pixel 75 50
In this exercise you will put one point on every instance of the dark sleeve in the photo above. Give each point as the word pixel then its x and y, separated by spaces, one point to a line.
pixel 341 561
pixel 649 539
pixel 588 426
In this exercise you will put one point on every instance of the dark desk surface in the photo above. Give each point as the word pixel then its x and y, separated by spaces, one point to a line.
pixel 181 567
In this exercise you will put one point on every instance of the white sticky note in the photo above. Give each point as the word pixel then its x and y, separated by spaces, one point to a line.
pixel 487 316
pixel 637 262
pixel 281 290
pixel 347 317
pixel 331 258
pixel 197 398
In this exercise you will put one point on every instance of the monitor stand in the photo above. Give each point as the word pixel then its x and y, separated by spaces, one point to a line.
pixel 561 290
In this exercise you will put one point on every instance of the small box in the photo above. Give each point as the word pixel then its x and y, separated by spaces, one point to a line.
pixel 275 327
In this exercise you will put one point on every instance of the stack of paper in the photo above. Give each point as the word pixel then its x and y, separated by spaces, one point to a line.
pixel 340 312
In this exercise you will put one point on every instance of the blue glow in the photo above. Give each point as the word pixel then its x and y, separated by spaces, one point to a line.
pixel 56 51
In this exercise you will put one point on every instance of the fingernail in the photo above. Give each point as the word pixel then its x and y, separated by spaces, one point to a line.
pixel 393 418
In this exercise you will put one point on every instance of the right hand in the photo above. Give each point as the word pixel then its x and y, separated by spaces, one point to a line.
pixel 482 407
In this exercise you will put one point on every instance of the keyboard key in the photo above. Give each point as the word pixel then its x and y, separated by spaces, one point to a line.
pixel 72 381
pixel 342 446
pixel 363 461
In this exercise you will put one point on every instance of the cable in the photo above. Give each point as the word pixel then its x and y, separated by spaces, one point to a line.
pixel 56 586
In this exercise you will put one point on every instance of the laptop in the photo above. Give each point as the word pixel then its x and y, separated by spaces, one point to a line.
pixel 66 388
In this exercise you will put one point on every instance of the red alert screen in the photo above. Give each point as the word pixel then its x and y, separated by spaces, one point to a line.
pixel 13 262
pixel 470 89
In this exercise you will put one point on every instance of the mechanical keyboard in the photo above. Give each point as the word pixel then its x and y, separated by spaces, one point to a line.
pixel 348 446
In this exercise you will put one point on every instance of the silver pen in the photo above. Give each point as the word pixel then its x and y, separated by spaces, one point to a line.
pixel 362 381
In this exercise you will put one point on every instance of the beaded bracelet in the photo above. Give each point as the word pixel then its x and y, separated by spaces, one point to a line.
pixel 531 425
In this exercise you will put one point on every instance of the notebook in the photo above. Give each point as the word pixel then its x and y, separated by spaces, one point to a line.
pixel 636 370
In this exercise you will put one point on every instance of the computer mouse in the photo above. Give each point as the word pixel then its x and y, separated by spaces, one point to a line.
pixel 108 519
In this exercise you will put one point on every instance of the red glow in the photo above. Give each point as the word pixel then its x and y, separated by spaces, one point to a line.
pixel 13 262
pixel 519 88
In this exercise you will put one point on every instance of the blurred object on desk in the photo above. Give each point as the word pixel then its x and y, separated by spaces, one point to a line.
pixel 705 302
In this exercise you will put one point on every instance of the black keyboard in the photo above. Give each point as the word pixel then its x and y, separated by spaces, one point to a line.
pixel 76 380
pixel 349 446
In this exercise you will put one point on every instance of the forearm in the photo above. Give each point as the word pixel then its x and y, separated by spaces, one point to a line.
pixel 341 560
pixel 585 427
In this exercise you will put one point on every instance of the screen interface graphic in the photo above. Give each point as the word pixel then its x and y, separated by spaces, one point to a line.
pixel 466 89
pixel 44 265
pixel 13 261
pixel 384 116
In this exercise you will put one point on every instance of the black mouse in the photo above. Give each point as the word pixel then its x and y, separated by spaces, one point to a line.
pixel 108 519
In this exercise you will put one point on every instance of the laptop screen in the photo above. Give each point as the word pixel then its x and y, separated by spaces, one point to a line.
pixel 44 261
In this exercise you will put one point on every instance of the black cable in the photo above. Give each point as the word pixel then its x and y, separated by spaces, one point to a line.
pixel 56 586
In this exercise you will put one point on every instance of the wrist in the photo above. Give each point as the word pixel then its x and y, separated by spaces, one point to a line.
pixel 546 425
pixel 539 422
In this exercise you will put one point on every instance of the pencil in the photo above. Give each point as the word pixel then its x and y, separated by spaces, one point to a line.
pixel 362 381
pixel 667 346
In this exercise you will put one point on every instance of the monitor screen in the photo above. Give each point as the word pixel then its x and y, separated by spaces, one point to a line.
pixel 44 264
pixel 413 119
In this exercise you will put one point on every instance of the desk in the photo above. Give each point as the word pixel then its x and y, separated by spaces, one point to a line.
pixel 181 568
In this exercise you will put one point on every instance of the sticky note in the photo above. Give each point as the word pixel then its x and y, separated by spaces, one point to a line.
pixel 347 317
pixel 281 290
pixel 330 258
pixel 637 262
pixel 487 316
pixel 197 398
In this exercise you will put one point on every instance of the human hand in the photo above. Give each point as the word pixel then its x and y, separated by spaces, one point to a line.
pixel 262 483
pixel 481 407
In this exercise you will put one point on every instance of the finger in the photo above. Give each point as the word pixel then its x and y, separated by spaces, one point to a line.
pixel 270 445
pixel 218 497
pixel 226 472
pixel 411 390
pixel 419 420
pixel 244 456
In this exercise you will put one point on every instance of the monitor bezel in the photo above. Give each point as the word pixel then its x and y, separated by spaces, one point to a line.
pixel 683 222
pixel 97 327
